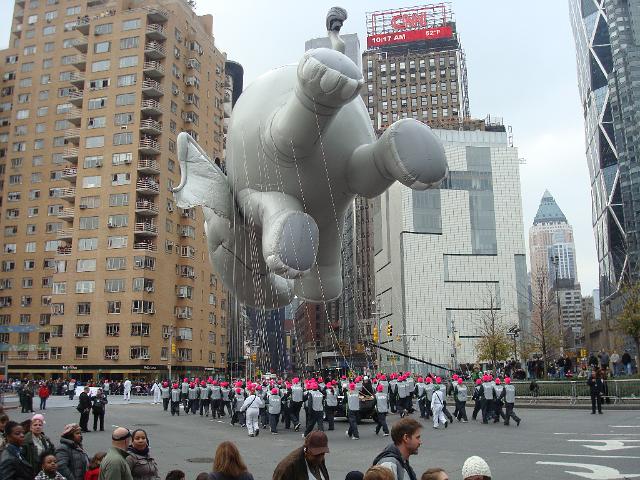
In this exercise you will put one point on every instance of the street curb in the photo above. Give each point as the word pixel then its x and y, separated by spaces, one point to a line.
pixel 586 407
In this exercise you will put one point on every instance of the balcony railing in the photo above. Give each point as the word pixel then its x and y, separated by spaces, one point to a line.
pixel 147 186
pixel 151 107
pixel 66 214
pixel 76 97
pixel 145 229
pixel 145 245
pixel 65 234
pixel 68 194
pixel 157 15
pixel 70 174
pixel 71 154
pixel 148 165
pixel 74 116
pixel 153 69
pixel 149 146
pixel 82 25
pixel 65 250
pixel 151 126
pixel 151 88
pixel 81 44
pixel 154 50
pixel 156 32
pixel 79 61
pixel 77 79
pixel 145 207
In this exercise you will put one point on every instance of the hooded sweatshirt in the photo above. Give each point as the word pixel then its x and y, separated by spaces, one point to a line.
pixel 392 459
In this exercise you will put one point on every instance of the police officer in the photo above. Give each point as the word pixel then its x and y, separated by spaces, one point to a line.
pixel 392 393
pixel 402 393
pixel 275 408
pixel 421 396
pixel 330 403
pixel 285 394
pixel 225 401
pixel 486 402
pixel 497 403
pixel 477 398
pixel 382 408
pixel 184 394
pixel 509 395
pixel 460 397
pixel 428 389
pixel 192 395
pixel 216 399
pixel 238 400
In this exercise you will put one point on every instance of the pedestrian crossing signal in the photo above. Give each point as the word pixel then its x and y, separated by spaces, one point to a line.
pixel 375 334
pixel 390 330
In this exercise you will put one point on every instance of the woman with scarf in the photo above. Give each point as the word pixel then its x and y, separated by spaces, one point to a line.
pixel 72 459
pixel 36 443
pixel 13 465
pixel 141 464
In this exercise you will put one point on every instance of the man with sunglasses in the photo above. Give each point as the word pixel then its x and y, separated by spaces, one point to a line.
pixel 114 465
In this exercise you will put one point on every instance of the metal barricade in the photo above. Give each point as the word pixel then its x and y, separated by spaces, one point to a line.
pixel 574 391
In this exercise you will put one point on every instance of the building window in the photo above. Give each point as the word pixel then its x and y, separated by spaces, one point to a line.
pixel 82 353
pixel 113 330
pixel 114 285
pixel 140 329
pixel 114 307
pixel 83 308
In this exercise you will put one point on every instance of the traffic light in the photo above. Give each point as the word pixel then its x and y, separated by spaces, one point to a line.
pixel 375 334
pixel 173 348
pixel 254 357
pixel 389 330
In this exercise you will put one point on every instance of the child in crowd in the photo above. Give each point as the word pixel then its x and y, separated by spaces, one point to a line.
pixel 49 468
pixel 93 472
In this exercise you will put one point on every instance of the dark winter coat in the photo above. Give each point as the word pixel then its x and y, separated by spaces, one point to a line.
pixel 142 467
pixel 391 454
pixel 14 467
pixel 30 452
pixel 294 467
pixel 73 461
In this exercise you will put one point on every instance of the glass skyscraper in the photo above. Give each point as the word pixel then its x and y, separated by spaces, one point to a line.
pixel 608 44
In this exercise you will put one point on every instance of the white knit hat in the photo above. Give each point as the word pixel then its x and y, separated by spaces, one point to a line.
pixel 475 466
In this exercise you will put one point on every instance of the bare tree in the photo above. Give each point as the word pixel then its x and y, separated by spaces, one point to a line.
pixel 494 343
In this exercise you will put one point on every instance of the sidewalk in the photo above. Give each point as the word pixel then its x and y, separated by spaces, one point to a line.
pixel 58 401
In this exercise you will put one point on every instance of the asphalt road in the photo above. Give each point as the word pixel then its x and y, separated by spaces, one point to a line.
pixel 548 444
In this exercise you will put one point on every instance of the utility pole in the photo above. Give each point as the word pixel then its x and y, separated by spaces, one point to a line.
pixel 556 264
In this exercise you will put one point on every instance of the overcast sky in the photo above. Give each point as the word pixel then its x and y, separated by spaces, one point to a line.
pixel 521 66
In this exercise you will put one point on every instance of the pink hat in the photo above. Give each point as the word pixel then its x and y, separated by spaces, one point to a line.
pixel 478 381
pixel 420 379
pixel 352 386
pixel 259 388
pixel 274 391
pixel 497 381
pixel 203 383
pixel 192 385
pixel 239 383
pixel 455 376
pixel 429 380
pixel 185 379
pixel 175 385
pixel 344 377
pixel 320 380
pixel 438 380
pixel 38 416
pixel 165 384
pixel 380 388
pixel 459 381
pixel 507 380
pixel 224 384
pixel 238 390
pixel 383 377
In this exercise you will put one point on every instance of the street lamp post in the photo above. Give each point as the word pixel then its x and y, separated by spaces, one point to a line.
pixel 556 264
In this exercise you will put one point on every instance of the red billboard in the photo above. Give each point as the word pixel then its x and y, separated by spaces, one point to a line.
pixel 429 22
pixel 383 39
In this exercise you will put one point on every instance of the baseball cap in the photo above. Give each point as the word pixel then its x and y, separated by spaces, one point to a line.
pixel 316 443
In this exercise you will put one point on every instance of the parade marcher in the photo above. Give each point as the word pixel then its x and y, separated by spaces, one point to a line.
pixel 406 436
pixel 330 403
pixel 477 398
pixel 251 406
pixel 497 403
pixel 142 465
pixel 451 390
pixel 285 394
pixel 421 395
pixel 98 407
pixel 114 465
pixel 43 394
pixel 36 443
pixel 263 416
pixel 216 400
pixel 165 394
pixel 460 397
pixel 403 398
pixel 106 387
pixel 392 393
pixel 157 393
pixel 486 401
pixel 238 400
pixel 315 409
pixel 306 462
pixel 71 389
pixel 184 394
pixel 205 400
pixel 509 395
pixel 274 408
pixel 13 464
pixel 176 396
pixel 84 407
pixel 73 461
pixel 445 411
pixel 296 403
pixel 382 408
pixel 385 384
pixel 127 390
pixel 353 411
pixel 596 391
pixel 225 401
pixel 437 404
pixel 192 397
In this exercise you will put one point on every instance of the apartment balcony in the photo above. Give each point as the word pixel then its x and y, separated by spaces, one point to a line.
pixel 154 51
pixel 95 3
pixel 70 174
pixel 81 44
pixel 156 32
pixel 19 15
pixel 67 214
pixel 65 250
pixel 64 234
pixel 148 186
pixel 153 69
pixel 149 146
pixel 157 15
pixel 82 25
pixel 151 108
pixel 74 116
pixel 149 166
pixel 76 97
pixel 72 135
pixel 145 208
pixel 151 88
pixel 21 3
pixel 17 30
pixel 151 127
pixel 77 80
pixel 145 229
pixel 79 61
pixel 68 194
pixel 70 154
pixel 146 246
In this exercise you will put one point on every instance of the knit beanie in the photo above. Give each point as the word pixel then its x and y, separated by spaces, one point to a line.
pixel 475 466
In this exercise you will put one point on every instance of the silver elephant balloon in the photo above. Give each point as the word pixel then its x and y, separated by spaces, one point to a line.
pixel 300 147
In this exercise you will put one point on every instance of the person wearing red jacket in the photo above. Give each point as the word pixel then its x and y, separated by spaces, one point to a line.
pixel 43 393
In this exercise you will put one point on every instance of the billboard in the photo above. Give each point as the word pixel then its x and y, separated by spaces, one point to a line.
pixel 405 25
